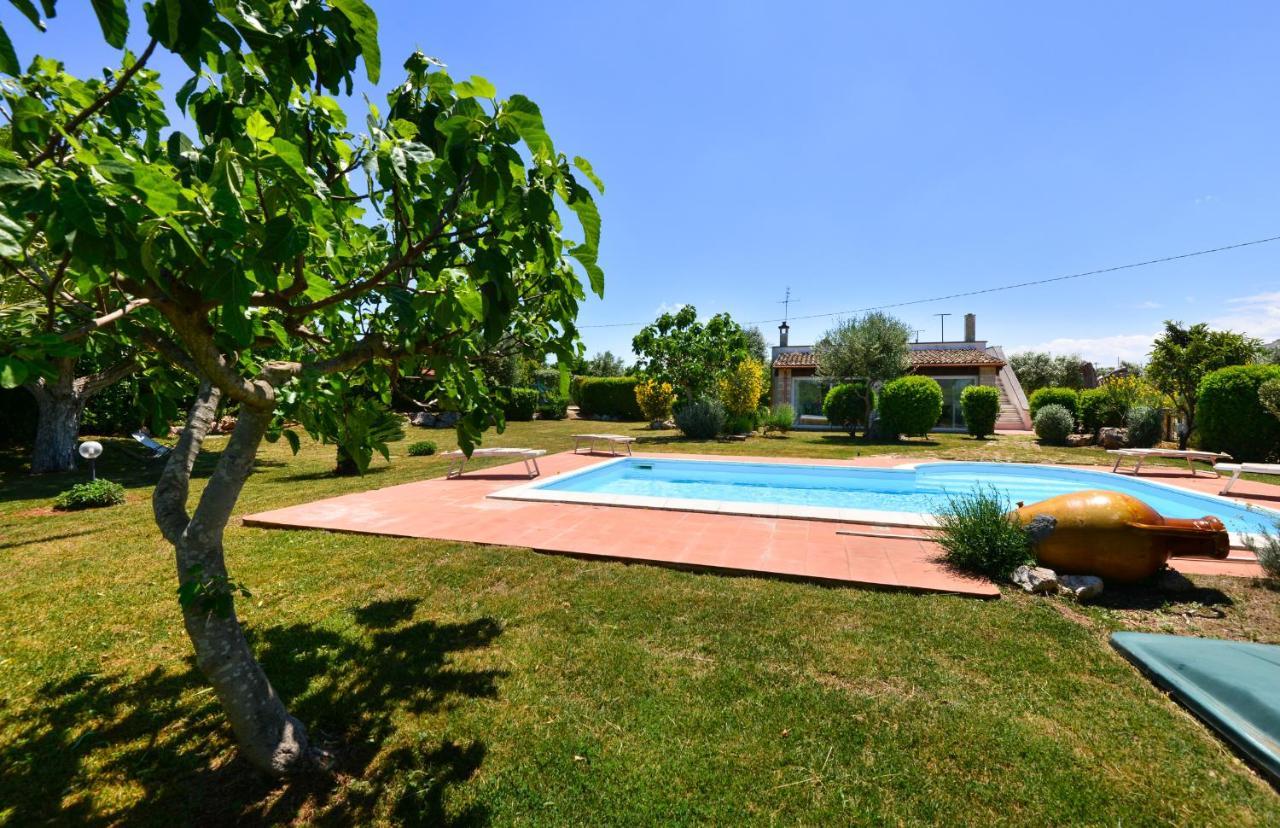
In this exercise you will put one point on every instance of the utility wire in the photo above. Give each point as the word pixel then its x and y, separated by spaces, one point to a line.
pixel 1032 283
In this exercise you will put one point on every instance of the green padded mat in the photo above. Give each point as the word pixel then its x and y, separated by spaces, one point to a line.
pixel 1232 685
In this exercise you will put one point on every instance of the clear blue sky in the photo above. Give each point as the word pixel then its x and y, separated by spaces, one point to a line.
pixel 869 154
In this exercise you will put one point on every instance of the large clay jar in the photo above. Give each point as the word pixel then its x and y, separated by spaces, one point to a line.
pixel 1115 536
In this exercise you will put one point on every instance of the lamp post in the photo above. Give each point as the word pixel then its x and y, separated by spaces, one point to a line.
pixel 91 450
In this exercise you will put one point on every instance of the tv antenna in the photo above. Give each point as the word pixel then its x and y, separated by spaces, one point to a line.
pixel 942 318
pixel 918 332
pixel 786 304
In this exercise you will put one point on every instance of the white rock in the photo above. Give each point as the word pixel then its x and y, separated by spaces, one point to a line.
pixel 1083 587
pixel 1036 579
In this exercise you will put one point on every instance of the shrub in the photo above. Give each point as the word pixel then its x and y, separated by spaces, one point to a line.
pixel 700 419
pixel 846 406
pixel 92 495
pixel 575 389
pixel 1231 417
pixel 910 405
pixel 521 404
pixel 609 397
pixel 979 533
pixel 422 448
pixel 1145 425
pixel 1269 396
pixel 779 419
pixel 1124 393
pixel 1268 552
pixel 740 423
pixel 553 407
pixel 655 399
pixel 981 407
pixel 1065 397
pixel 1093 408
pixel 1053 424
pixel 740 388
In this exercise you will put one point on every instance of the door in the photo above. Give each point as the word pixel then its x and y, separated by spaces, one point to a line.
pixel 952 418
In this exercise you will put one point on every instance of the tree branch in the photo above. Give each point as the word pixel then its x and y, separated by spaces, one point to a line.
pixel 93 383
pixel 169 500
pixel 105 320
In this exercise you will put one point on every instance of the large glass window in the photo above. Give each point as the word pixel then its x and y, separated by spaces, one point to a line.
pixel 808 394
pixel 952 414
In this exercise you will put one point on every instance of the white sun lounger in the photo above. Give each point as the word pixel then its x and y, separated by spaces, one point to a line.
pixel 1238 469
pixel 1174 454
pixel 529 456
pixel 614 440
pixel 157 450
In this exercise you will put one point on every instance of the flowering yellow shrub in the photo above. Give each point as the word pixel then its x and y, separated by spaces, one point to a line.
pixel 741 388
pixel 655 399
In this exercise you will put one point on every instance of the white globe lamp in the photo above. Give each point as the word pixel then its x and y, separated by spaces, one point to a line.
pixel 91 450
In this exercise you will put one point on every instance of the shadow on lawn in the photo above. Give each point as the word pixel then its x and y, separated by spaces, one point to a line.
pixel 164 734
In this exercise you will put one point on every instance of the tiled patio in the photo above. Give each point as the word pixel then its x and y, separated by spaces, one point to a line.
pixel 459 510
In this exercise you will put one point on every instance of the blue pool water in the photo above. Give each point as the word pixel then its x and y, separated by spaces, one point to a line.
pixel 924 489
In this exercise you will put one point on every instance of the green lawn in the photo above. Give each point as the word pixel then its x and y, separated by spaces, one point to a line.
pixel 471 684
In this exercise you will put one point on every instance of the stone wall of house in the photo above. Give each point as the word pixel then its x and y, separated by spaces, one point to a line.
pixel 781 386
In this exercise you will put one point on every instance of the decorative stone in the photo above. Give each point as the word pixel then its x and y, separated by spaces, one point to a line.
pixel 1083 587
pixel 435 419
pixel 1078 440
pixel 1171 580
pixel 1113 438
pixel 1036 579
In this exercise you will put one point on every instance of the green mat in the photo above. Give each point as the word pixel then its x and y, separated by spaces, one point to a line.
pixel 1232 685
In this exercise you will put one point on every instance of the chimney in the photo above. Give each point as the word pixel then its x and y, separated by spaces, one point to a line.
pixel 970 328
pixel 783 329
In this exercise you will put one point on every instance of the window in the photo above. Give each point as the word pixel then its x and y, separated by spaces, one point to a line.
pixel 952 414
pixel 808 394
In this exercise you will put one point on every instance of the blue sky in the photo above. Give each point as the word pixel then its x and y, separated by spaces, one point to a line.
pixel 872 154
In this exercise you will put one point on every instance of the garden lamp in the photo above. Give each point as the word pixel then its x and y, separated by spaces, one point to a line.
pixel 91 450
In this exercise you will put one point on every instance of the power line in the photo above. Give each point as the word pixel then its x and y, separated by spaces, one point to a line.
pixel 1016 285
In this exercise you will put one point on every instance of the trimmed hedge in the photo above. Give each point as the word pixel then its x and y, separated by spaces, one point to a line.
pixel 1053 423
pixel 1094 410
pixel 845 406
pixel 1231 418
pixel 981 407
pixel 553 407
pixel 609 397
pixel 910 405
pixel 521 404
pixel 1065 397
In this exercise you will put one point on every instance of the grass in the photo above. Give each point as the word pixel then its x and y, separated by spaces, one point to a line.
pixel 466 684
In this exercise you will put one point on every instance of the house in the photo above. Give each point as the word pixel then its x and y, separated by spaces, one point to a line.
pixel 954 365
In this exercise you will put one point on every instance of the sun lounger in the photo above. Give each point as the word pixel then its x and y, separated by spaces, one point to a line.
pixel 529 456
pixel 1174 454
pixel 613 440
pixel 157 450
pixel 1238 469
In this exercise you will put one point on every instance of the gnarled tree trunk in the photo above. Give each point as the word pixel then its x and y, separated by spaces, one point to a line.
pixel 270 738
pixel 60 403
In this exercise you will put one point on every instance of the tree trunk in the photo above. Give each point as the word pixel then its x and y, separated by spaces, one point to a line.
pixel 1188 423
pixel 271 739
pixel 60 403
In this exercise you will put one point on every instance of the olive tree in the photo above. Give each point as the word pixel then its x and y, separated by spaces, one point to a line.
pixel 283 259
pixel 873 348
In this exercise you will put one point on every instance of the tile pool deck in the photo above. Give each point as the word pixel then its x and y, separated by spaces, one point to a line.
pixel 459 510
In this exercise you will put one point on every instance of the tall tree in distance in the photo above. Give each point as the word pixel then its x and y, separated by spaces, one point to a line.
pixel 873 348
pixel 1181 356
pixel 284 261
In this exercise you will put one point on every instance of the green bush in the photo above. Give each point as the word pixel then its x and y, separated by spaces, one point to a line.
pixel 740 423
pixel 845 406
pixel 575 389
pixel 779 419
pixel 1053 424
pixel 1094 409
pixel 1231 417
pixel 981 407
pixel 979 533
pixel 1269 396
pixel 609 397
pixel 521 404
pixel 92 495
pixel 553 407
pixel 422 448
pixel 700 419
pixel 909 405
pixel 1065 397
pixel 1145 425
pixel 1267 549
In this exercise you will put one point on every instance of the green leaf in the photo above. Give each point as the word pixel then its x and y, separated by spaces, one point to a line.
pixel 162 193
pixel 258 128
pixel 523 115
pixel 291 437
pixel 585 165
pixel 11 234
pixel 364 26
pixel 477 87
pixel 12 372
pixel 282 240
pixel 29 11
pixel 470 299
pixel 113 17
pixel 8 58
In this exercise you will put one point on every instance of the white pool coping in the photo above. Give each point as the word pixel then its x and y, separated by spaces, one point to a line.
pixel 531 491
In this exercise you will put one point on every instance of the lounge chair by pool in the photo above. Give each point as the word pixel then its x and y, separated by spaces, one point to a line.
pixel 1175 454
pixel 528 455
pixel 1238 469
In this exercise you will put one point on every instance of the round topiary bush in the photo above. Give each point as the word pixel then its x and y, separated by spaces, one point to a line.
pixel 909 405
pixel 1230 417
pixel 92 495
pixel 1054 424
pixel 422 448
pixel 981 407
pixel 1145 426
pixel 846 406
pixel 700 419
pixel 521 405
pixel 1092 409
pixel 1065 397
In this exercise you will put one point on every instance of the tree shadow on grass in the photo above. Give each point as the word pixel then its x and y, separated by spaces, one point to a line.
pixel 161 741
pixel 864 442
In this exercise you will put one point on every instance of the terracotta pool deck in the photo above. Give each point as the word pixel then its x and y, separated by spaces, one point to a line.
pixel 459 510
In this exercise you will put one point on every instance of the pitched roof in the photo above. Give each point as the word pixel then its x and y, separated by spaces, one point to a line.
pixel 919 358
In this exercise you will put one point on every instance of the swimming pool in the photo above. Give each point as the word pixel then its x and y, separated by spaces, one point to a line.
pixel 902 496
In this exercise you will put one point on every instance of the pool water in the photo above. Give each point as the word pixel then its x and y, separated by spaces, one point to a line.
pixel 923 489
